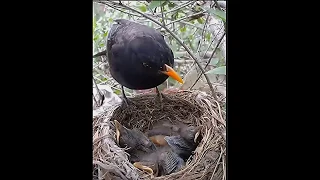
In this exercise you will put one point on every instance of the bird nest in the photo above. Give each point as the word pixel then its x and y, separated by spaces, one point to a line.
pixel 208 161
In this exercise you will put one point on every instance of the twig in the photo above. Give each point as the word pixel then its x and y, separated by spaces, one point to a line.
pixel 212 42
pixel 215 49
pixel 187 23
pixel 202 34
pixel 95 100
pixel 223 168
pixel 182 61
pixel 101 63
pixel 181 43
pixel 204 54
pixel 180 6
pixel 219 42
pixel 161 7
pixel 113 86
pixel 177 20
pixel 114 7
pixel 217 4
pixel 98 90
pixel 215 168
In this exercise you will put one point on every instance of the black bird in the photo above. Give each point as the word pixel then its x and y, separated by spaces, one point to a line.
pixel 186 142
pixel 163 161
pixel 138 56
pixel 144 154
pixel 133 139
pixel 182 139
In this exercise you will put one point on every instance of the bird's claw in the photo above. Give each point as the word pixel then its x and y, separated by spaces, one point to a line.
pixel 161 98
pixel 127 101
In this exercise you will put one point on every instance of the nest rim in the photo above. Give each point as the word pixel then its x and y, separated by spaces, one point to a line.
pixel 208 159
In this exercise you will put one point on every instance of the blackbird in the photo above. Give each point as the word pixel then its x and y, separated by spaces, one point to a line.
pixel 163 161
pixel 166 128
pixel 181 138
pixel 138 56
pixel 144 154
pixel 186 142
pixel 133 139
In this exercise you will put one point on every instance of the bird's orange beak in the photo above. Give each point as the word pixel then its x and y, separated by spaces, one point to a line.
pixel 172 73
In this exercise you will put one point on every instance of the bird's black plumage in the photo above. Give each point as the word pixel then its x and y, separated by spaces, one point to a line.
pixel 136 53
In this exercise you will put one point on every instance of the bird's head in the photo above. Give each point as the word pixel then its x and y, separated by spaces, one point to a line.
pixel 154 54
pixel 163 69
pixel 191 133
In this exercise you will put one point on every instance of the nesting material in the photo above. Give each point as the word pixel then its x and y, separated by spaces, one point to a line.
pixel 190 107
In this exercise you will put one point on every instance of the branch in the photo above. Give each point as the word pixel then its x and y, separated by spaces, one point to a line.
pixel 161 7
pixel 181 43
pixel 177 20
pixel 183 61
pixel 217 4
pixel 204 55
pixel 187 23
pixel 212 41
pixel 202 34
pixel 98 90
pixel 94 98
pixel 114 7
pixel 215 49
pixel 180 6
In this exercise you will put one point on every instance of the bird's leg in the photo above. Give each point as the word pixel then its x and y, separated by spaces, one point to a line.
pixel 120 3
pixel 161 97
pixel 124 97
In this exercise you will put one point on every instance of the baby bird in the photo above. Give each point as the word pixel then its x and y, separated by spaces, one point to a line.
pixel 186 142
pixel 181 138
pixel 161 162
pixel 133 139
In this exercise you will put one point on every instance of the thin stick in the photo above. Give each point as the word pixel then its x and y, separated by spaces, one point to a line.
pixel 202 35
pixel 95 100
pixel 97 87
pixel 114 7
pixel 161 7
pixel 98 90
pixel 186 17
pixel 215 49
pixel 180 6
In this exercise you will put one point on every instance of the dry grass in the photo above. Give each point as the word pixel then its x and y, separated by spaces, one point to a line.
pixel 190 107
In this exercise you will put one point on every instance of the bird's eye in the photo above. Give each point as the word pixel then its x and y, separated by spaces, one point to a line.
pixel 145 64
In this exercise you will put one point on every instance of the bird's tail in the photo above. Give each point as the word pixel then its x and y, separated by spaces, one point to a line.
pixel 102 53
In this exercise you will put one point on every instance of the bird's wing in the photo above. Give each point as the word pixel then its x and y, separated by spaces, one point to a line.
pixel 177 142
pixel 170 161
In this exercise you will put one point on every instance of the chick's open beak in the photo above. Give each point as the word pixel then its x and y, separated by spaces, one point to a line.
pixel 142 167
pixel 172 73
pixel 118 126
